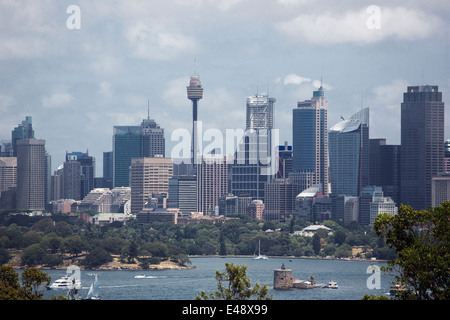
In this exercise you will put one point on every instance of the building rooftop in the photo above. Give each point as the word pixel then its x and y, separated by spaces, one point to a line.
pixel 346 126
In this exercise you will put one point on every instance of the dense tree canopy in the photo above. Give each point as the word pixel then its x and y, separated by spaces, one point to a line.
pixel 422 242
pixel 52 240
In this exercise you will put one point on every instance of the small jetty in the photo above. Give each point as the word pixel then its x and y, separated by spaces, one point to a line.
pixel 283 280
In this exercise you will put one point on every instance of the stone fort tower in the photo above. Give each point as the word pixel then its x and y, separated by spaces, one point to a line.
pixel 282 278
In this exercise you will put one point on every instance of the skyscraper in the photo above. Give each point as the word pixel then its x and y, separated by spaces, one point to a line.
pixel 154 143
pixel 259 113
pixel 385 168
pixel 183 193
pixel 72 180
pixel 422 143
pixel 148 176
pixel 349 149
pixel 194 93
pixel 279 199
pixel 22 131
pixel 146 140
pixel 87 171
pixel 212 182
pixel 310 140
pixel 8 173
pixel 127 144
pixel 254 162
pixel 31 174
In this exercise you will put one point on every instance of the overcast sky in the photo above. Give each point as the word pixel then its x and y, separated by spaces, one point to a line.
pixel 78 83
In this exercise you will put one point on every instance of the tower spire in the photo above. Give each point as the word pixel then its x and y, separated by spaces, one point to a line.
pixel 148 109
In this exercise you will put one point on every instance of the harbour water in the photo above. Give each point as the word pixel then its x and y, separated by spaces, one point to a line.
pixel 351 277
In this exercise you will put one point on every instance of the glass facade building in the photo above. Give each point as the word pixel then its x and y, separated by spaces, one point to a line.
pixel 127 144
pixel 310 140
pixel 422 144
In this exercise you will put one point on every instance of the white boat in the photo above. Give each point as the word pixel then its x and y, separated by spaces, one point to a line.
pixel 66 282
pixel 93 290
pixel 259 256
pixel 332 285
pixel 143 276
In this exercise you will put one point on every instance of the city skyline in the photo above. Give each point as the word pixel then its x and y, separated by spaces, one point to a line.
pixel 77 84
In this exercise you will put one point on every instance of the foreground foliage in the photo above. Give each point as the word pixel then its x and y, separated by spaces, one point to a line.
pixel 422 242
pixel 239 286
pixel 33 281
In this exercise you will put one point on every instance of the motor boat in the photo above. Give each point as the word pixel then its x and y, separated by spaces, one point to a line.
pixel 332 285
pixel 66 282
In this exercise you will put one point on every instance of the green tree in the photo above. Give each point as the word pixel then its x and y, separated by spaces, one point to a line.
pixel 74 244
pixel 33 255
pixel 222 248
pixel 33 281
pixel 316 243
pixel 422 242
pixel 339 237
pixel 97 257
pixel 239 286
pixel 4 256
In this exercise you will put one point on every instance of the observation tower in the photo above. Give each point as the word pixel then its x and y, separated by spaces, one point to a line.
pixel 194 93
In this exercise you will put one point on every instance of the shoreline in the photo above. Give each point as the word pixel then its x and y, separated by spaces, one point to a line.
pixel 170 265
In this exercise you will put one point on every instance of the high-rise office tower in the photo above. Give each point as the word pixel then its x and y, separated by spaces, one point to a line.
pixel 183 193
pixel 256 161
pixel 72 180
pixel 310 140
pixel 31 174
pixel 363 116
pixel 259 113
pixel 148 176
pixel 212 182
pixel 279 199
pixel 348 149
pixel 127 144
pixel 146 140
pixel 154 143
pixel 22 131
pixel 8 173
pixel 194 93
pixel 107 169
pixel 422 143
pixel 385 168
pixel 87 171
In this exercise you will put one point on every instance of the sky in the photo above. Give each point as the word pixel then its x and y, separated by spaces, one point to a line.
pixel 81 67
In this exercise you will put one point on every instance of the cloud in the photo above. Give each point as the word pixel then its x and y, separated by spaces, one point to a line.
pixel 386 100
pixel 294 79
pixel 157 43
pixel 56 100
pixel 361 26
pixel 104 89
pixel 106 65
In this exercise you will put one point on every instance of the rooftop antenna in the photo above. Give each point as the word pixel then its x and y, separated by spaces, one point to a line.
pixel 195 67
pixel 148 109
